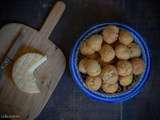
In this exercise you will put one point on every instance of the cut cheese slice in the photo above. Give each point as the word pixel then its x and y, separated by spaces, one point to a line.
pixel 23 72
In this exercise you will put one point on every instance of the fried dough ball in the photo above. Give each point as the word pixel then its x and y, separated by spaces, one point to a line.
pixel 124 68
pixel 109 74
pixel 122 52
pixel 125 37
pixel 82 65
pixel 93 68
pixel 91 45
pixel 110 34
pixel 94 83
pixel 107 53
pixel 94 42
pixel 126 80
pixel 138 66
pixel 85 50
pixel 135 50
pixel 110 88
pixel 93 56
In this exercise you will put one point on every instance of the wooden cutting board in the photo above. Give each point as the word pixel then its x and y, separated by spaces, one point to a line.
pixel 18 104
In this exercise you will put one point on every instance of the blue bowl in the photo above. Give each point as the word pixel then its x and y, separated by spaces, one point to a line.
pixel 118 97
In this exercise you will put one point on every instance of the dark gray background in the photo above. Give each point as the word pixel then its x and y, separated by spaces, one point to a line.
pixel 68 102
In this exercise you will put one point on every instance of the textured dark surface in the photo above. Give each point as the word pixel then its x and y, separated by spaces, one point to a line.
pixel 68 102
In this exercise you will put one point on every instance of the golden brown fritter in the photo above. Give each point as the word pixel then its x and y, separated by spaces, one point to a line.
pixel 124 68
pixel 93 83
pixel 135 50
pixel 94 42
pixel 110 34
pixel 125 37
pixel 126 80
pixel 138 66
pixel 93 68
pixel 122 52
pixel 82 65
pixel 109 74
pixel 85 50
pixel 110 88
pixel 107 53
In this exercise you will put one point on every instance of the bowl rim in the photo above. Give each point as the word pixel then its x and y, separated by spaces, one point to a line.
pixel 119 97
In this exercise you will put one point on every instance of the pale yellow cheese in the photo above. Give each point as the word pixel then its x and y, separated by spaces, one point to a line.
pixel 23 71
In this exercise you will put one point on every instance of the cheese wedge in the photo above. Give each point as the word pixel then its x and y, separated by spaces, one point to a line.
pixel 23 71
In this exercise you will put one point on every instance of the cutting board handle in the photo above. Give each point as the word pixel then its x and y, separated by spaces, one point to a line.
pixel 52 19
